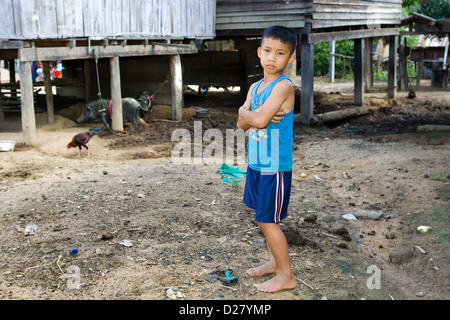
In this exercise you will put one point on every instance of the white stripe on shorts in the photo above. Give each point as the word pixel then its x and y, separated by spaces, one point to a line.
pixel 277 212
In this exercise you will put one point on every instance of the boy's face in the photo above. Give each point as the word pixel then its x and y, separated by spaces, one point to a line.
pixel 274 55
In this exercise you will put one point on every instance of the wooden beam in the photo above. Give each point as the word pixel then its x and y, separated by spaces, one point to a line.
pixel 48 92
pixel 307 91
pixel 27 100
pixel 338 115
pixel 177 87
pixel 359 72
pixel 67 53
pixel 392 69
pixel 11 44
pixel 351 34
pixel 116 95
pixel 422 19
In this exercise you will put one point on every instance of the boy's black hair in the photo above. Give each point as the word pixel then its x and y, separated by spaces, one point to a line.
pixel 285 35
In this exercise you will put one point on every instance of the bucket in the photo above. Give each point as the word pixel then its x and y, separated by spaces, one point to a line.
pixel 202 113
pixel 7 145
pixel 437 78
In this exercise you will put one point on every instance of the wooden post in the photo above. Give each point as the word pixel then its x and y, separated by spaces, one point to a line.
pixel 368 64
pixel 12 77
pixel 291 72
pixel 359 72
pixel 392 76
pixel 419 74
pixel 116 95
pixel 27 104
pixel 48 92
pixel 403 68
pixel 87 80
pixel 2 112
pixel 177 87
pixel 307 91
pixel 332 66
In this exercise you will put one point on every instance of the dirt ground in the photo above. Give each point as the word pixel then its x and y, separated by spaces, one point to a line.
pixel 143 225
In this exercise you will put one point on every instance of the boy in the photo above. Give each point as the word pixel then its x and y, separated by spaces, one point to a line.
pixel 268 113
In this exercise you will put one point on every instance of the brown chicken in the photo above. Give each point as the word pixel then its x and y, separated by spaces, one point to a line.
pixel 81 140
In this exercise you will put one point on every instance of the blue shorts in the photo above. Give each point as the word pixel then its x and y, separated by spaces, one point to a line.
pixel 268 194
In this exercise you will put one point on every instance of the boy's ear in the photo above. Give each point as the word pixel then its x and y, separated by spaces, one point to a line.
pixel 259 52
pixel 292 58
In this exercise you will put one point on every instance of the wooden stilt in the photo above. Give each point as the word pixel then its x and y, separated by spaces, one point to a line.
pixel 419 74
pixel 177 87
pixel 403 68
pixel 27 101
pixel 48 92
pixel 116 95
pixel 12 77
pixel 392 76
pixel 307 95
pixel 2 112
pixel 368 66
pixel 359 72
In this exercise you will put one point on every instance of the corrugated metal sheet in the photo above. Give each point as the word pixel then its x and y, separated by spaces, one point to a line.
pixel 432 49
pixel 53 19
pixel 426 41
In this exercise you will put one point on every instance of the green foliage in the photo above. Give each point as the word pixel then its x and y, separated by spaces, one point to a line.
pixel 412 72
pixel 437 9
pixel 322 58
pixel 409 3
pixel 382 75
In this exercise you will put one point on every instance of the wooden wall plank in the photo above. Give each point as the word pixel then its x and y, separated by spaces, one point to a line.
pixel 48 26
pixel 236 15
pixel 98 19
pixel 69 18
pixel 6 27
pixel 29 17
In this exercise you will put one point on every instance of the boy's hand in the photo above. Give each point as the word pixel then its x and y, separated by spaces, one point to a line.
pixel 278 117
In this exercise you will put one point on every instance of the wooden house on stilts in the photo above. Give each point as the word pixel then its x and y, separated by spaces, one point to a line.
pixel 117 35
pixel 113 32
pixel 315 21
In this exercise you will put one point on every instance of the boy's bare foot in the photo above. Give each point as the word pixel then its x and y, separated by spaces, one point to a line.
pixel 261 270
pixel 277 283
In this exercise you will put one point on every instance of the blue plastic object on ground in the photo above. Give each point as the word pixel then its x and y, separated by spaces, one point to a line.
pixel 230 173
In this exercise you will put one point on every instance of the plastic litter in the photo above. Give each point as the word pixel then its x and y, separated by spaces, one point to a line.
pixel 31 229
pixel 349 216
pixel 423 229
pixel 230 173
pixel 126 243
pixel 226 277
pixel 174 296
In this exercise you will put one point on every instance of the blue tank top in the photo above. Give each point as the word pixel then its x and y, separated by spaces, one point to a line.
pixel 270 149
